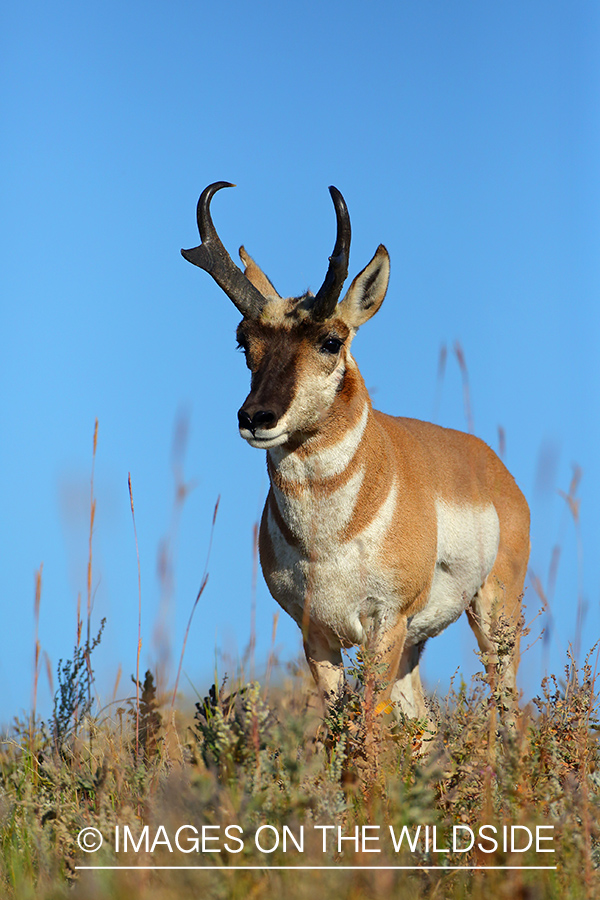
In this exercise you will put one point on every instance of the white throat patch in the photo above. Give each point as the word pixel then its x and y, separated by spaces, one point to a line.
pixel 324 463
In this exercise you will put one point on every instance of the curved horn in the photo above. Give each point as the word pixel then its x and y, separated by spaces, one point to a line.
pixel 212 256
pixel 328 294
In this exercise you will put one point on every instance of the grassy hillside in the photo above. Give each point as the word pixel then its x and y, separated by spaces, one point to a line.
pixel 233 784
pixel 254 796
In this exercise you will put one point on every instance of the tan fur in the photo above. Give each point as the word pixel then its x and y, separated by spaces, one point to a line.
pixel 425 463
pixel 375 528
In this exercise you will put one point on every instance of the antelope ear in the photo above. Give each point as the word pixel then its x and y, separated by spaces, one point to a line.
pixel 365 294
pixel 257 277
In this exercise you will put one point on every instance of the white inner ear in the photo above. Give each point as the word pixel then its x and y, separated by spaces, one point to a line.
pixel 365 294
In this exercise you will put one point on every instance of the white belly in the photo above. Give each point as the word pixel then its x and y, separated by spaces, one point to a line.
pixel 343 588
pixel 468 539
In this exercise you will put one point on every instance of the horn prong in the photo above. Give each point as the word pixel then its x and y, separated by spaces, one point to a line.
pixel 212 256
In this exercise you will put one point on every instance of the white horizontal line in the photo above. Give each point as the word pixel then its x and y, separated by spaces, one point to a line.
pixel 314 868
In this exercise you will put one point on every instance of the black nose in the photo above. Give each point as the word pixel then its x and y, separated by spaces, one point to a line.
pixel 262 418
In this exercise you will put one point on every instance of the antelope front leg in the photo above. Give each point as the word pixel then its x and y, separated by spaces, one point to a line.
pixel 327 669
pixel 402 682
pixel 388 653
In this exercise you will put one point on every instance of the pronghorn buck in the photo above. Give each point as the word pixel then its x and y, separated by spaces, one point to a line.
pixel 375 528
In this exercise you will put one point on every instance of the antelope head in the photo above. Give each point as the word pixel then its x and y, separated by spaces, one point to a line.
pixel 297 348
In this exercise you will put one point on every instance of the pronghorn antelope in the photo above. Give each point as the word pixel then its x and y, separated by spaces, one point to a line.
pixel 374 527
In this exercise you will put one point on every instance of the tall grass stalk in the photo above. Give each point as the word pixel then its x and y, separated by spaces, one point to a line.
pixel 139 640
pixel 36 662
pixel 252 642
pixel 462 364
pixel 166 553
pixel 441 372
pixel 271 659
pixel 573 504
pixel 90 556
pixel 203 584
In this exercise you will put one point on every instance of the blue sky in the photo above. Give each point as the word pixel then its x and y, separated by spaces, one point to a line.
pixel 464 136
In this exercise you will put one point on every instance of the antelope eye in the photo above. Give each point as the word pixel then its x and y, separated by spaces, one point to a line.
pixel 331 345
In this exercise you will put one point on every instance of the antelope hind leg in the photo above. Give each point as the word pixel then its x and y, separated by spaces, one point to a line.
pixel 496 623
pixel 407 691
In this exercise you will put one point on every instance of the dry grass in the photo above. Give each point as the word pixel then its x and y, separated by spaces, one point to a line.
pixel 244 761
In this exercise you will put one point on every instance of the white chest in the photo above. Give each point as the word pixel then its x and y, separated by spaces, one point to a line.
pixel 322 575
pixel 344 584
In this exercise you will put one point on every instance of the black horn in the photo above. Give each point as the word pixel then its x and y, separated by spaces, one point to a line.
pixel 328 294
pixel 212 256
